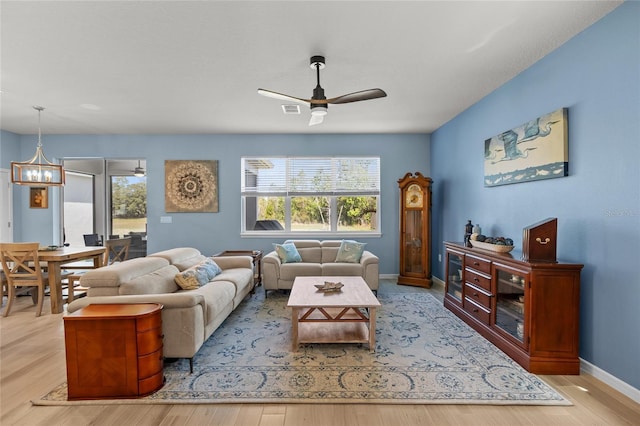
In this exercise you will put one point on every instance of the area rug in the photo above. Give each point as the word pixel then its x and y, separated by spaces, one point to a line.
pixel 424 355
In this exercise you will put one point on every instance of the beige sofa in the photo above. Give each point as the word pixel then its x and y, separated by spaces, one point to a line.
pixel 318 259
pixel 189 317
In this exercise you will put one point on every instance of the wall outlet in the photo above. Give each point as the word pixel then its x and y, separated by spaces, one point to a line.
pixel 439 257
pixel 165 219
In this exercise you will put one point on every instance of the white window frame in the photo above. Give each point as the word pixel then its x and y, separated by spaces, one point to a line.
pixel 284 187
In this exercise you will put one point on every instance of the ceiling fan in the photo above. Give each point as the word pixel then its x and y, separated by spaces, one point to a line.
pixel 139 171
pixel 318 102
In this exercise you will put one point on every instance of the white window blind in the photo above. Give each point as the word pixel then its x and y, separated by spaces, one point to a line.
pixel 290 176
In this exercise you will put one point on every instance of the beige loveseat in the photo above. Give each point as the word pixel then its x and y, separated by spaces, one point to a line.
pixel 318 259
pixel 189 317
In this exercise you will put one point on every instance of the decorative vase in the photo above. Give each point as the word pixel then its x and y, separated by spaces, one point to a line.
pixel 468 229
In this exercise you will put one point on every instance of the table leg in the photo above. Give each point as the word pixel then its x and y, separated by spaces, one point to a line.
pixel 55 287
pixel 295 313
pixel 372 330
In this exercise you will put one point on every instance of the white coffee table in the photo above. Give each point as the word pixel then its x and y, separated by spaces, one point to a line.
pixel 347 316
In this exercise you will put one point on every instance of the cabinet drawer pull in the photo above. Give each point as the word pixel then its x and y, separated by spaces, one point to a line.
pixel 476 279
pixel 475 310
pixel 476 264
pixel 475 294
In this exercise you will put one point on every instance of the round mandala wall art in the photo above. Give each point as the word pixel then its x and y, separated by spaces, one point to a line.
pixel 191 186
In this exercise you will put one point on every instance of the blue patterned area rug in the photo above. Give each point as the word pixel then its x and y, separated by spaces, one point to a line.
pixel 424 355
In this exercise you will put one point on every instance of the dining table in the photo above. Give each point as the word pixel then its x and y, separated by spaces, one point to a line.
pixel 57 257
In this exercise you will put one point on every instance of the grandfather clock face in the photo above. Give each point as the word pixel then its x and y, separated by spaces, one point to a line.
pixel 414 196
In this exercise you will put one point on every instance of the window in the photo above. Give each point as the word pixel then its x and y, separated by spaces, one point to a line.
pixel 304 195
pixel 128 205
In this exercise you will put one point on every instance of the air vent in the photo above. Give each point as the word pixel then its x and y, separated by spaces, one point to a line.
pixel 291 109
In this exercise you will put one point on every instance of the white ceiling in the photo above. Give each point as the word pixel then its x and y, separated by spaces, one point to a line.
pixel 185 67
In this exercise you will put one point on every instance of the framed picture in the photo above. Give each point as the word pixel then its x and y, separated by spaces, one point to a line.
pixel 39 197
pixel 538 149
pixel 191 186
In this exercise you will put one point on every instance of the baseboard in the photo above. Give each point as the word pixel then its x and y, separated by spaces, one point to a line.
pixel 614 382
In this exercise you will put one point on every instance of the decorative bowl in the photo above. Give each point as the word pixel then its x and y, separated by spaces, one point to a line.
pixel 329 286
pixel 493 247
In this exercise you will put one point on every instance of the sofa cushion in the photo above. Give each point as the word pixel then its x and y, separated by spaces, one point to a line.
pixel 182 257
pixel 310 250
pixel 217 297
pixel 341 268
pixel 289 271
pixel 287 252
pixel 240 277
pixel 198 275
pixel 155 282
pixel 350 251
pixel 330 250
pixel 118 273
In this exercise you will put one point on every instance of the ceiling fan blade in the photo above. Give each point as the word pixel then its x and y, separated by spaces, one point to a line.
pixel 363 95
pixel 283 97
pixel 316 119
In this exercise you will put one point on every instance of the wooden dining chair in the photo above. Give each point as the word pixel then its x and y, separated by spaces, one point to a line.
pixel 117 250
pixel 91 240
pixel 21 267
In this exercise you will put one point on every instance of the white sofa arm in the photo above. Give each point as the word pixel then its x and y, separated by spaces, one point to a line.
pixel 370 269
pixel 271 271
pixel 368 258
pixel 229 262
pixel 167 300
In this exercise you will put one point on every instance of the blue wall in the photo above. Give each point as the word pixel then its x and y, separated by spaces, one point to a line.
pixel 213 232
pixel 596 75
pixel 10 151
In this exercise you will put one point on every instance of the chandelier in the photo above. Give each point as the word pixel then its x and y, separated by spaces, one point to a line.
pixel 38 171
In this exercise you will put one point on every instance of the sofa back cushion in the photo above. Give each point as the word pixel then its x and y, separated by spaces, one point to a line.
pixel 153 273
pixel 309 250
pixel 330 250
pixel 181 257
pixel 155 282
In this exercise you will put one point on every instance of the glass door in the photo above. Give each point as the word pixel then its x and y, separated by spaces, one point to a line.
pixel 129 212
pixel 79 208
pixel 510 303
pixel 455 275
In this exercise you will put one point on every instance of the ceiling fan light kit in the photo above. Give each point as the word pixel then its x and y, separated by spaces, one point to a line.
pixel 139 171
pixel 318 102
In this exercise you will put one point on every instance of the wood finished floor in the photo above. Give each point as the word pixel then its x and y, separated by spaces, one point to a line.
pixel 32 362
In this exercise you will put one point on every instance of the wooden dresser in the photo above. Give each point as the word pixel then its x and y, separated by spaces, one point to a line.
pixel 114 351
pixel 530 310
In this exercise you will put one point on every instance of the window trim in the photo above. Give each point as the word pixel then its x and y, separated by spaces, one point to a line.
pixel 286 191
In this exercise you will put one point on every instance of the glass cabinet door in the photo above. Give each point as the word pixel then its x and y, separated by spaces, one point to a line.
pixel 510 303
pixel 455 275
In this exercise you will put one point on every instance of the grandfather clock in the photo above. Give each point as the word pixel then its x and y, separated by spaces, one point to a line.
pixel 415 230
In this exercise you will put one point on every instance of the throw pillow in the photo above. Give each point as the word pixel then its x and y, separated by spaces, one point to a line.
pixel 350 252
pixel 198 275
pixel 287 252
pixel 211 267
